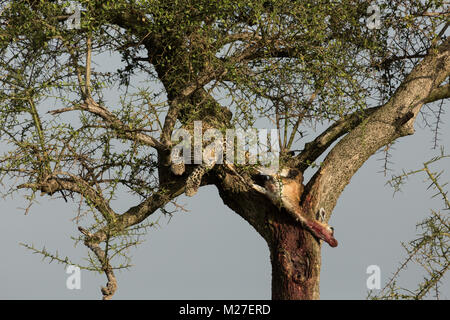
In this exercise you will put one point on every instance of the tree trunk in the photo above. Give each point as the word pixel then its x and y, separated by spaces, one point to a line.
pixel 295 258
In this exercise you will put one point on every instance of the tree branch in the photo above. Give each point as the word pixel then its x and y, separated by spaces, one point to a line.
pixel 315 148
pixel 90 242
pixel 54 184
pixel 122 130
pixel 318 146
pixel 142 211
pixel 386 124
pixel 442 92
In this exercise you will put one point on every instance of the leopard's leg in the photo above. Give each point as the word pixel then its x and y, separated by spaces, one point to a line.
pixel 194 180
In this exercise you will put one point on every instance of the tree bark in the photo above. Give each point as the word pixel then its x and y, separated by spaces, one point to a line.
pixel 296 259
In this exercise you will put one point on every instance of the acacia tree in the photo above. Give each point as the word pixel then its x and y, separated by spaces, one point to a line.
pixel 227 63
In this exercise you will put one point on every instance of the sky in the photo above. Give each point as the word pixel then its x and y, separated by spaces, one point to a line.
pixel 209 252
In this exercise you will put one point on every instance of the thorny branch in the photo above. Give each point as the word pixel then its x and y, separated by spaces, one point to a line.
pixel 430 249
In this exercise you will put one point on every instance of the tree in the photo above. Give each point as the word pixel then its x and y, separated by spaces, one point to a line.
pixel 227 64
